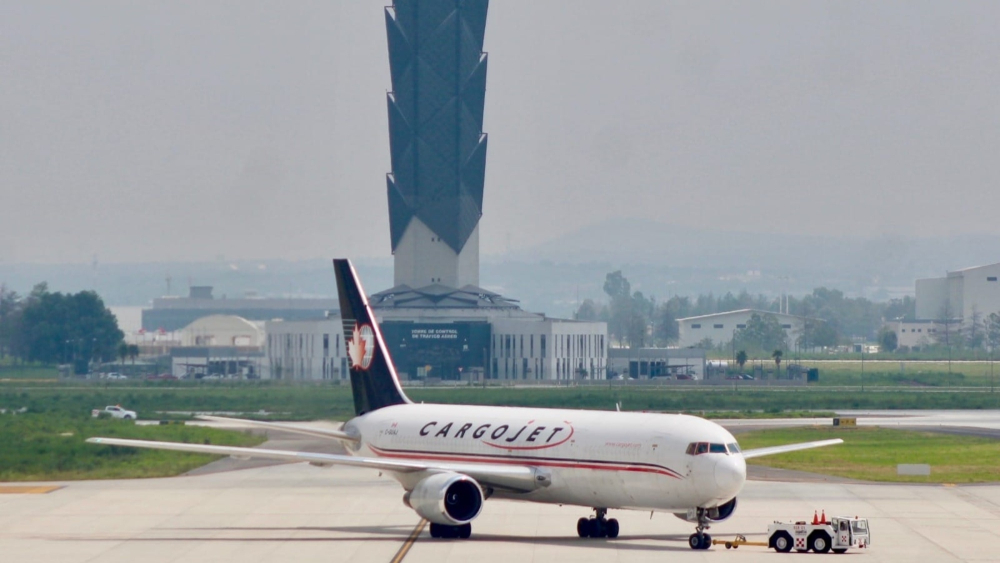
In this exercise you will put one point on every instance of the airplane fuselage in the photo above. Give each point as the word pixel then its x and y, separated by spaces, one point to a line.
pixel 595 458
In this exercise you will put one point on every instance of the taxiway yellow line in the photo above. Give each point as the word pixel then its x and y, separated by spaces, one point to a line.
pixel 409 541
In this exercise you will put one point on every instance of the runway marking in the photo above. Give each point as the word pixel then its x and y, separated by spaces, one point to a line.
pixel 409 541
pixel 27 489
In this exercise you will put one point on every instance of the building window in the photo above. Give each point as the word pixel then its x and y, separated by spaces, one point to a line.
pixel 326 347
pixel 991 278
pixel 741 326
pixel 717 326
pixel 696 326
pixel 542 344
pixel 786 326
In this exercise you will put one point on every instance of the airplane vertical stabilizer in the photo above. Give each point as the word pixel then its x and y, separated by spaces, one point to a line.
pixel 373 376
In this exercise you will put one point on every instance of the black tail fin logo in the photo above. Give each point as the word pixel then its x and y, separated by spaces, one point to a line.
pixel 374 382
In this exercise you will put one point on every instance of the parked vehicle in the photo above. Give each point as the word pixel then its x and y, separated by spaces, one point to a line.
pixel 114 411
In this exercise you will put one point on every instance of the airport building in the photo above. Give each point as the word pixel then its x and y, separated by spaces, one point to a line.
pixel 961 294
pixel 217 346
pixel 722 327
pixel 305 350
pixel 650 363
pixel 949 303
pixel 174 313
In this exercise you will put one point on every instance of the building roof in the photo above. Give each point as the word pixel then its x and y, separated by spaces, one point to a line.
pixel 758 311
pixel 970 268
pixel 438 296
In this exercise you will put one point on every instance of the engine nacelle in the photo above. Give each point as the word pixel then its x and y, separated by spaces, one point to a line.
pixel 715 514
pixel 446 498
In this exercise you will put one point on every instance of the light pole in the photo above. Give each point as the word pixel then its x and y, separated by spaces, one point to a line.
pixel 862 367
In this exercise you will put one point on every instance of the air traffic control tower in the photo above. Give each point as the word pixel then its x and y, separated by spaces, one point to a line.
pixel 436 139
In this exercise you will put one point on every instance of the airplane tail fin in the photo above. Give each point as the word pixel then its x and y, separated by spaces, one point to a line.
pixel 373 376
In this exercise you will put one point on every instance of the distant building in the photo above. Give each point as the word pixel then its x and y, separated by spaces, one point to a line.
pixel 438 332
pixel 173 313
pixel 306 350
pixel 959 294
pixel 914 334
pixel 647 363
pixel 218 346
pixel 721 327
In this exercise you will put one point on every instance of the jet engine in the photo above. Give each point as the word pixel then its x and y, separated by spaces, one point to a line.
pixel 714 514
pixel 446 498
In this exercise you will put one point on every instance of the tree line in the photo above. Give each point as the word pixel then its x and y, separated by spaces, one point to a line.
pixel 637 320
pixel 57 328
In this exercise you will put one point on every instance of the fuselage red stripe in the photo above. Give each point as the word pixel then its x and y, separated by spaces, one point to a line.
pixel 569 463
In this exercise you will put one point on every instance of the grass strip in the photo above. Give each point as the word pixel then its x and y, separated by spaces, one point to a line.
pixel 872 454
pixel 50 447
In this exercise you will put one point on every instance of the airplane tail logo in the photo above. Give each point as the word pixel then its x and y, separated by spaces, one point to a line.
pixel 374 382
pixel 361 347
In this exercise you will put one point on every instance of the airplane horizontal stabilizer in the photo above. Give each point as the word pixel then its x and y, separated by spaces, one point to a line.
pixel 760 452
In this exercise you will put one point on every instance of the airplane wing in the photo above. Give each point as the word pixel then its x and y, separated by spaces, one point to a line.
pixel 519 478
pixel 760 452
pixel 315 432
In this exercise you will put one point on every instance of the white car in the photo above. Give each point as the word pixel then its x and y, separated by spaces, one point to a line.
pixel 115 411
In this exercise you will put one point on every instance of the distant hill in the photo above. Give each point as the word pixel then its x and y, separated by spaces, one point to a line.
pixel 555 275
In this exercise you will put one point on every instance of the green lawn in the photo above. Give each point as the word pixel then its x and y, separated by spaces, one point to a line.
pixel 50 447
pixel 872 454
pixel 309 402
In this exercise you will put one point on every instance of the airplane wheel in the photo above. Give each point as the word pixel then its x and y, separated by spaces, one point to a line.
pixel 695 541
pixel 465 531
pixel 612 528
pixel 583 528
pixel 706 541
pixel 435 533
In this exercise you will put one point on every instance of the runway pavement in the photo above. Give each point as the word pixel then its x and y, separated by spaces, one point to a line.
pixel 296 512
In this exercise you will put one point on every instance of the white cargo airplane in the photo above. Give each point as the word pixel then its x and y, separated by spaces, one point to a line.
pixel 451 458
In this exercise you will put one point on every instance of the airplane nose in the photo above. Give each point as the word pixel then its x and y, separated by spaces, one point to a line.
pixel 730 474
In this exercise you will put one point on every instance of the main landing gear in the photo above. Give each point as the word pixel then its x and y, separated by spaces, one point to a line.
pixel 451 532
pixel 597 527
pixel 699 539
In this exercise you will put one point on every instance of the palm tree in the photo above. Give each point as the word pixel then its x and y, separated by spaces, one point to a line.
pixel 122 354
pixel 133 353
pixel 741 358
pixel 777 362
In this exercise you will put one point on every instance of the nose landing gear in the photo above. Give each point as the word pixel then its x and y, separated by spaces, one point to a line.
pixel 699 539
pixel 597 527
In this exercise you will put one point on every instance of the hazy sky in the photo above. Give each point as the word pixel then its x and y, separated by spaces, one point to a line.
pixel 146 131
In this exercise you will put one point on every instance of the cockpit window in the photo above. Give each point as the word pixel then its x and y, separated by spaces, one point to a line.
pixel 698 448
pixel 734 448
